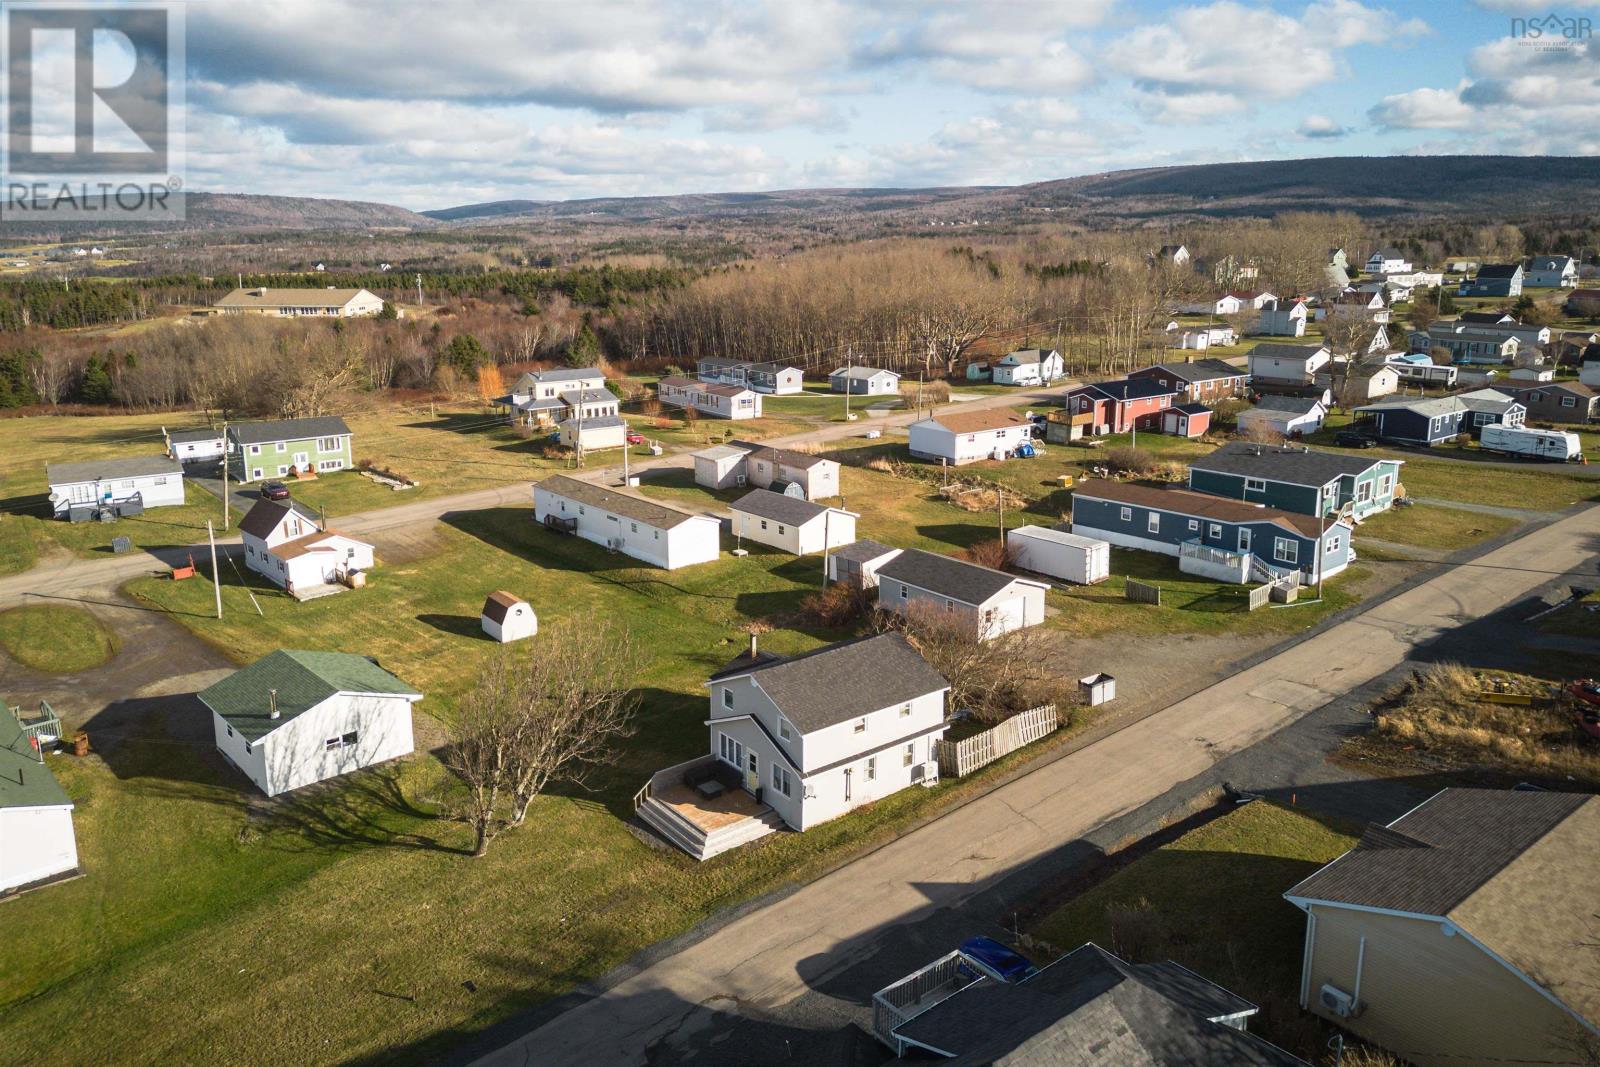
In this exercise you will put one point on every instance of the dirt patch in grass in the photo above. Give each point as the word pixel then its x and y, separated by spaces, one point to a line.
pixel 55 638
pixel 1444 721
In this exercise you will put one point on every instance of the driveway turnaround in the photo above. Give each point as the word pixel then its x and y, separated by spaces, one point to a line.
pixel 768 957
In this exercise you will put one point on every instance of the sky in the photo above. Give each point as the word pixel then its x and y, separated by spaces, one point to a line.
pixel 438 103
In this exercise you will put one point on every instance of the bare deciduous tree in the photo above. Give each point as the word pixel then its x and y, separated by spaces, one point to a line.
pixel 989 678
pixel 546 711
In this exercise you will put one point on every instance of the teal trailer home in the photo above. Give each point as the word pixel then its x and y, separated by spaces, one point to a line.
pixel 285 447
pixel 1225 540
pixel 1298 479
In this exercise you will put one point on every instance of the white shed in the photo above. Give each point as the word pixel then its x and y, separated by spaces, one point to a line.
pixel 1068 556
pixel 720 466
pixel 858 563
pixel 791 523
pixel 36 836
pixel 507 617
pixel 1291 416
pixel 190 446
pixel 294 718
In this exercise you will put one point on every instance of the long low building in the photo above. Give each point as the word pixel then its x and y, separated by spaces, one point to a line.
pixel 653 533
pixel 298 303
pixel 1212 536
pixel 101 488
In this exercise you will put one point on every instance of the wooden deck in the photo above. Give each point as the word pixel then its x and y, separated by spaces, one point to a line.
pixel 710 813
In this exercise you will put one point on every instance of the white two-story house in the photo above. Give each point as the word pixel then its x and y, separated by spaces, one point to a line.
pixel 817 735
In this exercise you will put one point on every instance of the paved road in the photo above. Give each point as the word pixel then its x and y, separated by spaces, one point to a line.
pixel 771 956
pixel 80 577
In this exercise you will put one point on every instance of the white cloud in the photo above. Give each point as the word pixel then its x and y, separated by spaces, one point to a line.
pixel 1320 127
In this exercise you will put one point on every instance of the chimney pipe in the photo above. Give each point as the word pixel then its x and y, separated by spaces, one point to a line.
pixel 752 644
pixel 272 702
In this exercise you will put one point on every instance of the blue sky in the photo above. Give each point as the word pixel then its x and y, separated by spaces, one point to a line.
pixel 433 104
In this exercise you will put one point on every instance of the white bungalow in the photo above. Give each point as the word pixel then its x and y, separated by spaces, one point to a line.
pixel 791 523
pixel 294 718
pixel 969 436
pixel 710 398
pixel 294 550
pixel 113 488
pixel 864 381
pixel 37 843
pixel 653 533
pixel 1029 366
pixel 995 602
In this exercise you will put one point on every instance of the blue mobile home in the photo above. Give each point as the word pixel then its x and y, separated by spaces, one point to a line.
pixel 1298 479
pixel 1212 536
pixel 1433 421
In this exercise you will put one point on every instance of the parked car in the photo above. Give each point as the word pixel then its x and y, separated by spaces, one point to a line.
pixel 1354 439
pixel 274 491
pixel 635 437
pixel 996 960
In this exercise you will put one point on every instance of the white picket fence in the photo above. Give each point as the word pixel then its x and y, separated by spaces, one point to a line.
pixel 957 758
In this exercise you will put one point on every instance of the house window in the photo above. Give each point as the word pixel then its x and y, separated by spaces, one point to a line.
pixel 1286 549
pixel 910 755
pixel 781 530
pixel 1194 524
pixel 905 710
pixel 1214 530
pixel 581 511
pixel 903 588
pixel 161 481
pixel 872 768
pixel 1333 543
pixel 861 725
pixel 230 731
pixel 1569 402
pixel 349 738
pixel 727 698
pixel 1255 485
pixel 282 469
pixel 1125 514
pixel 257 474
pixel 634 526
pixel 255 450
pixel 1153 523
pixel 328 444
pixel 283 446
pixel 248 748
pixel 332 742
pixel 763 524
pixel 1385 485
pixel 783 728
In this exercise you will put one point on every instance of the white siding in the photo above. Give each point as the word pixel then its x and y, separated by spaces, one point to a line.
pixel 838 526
pixel 697 540
pixel 36 843
pixel 930 439
pixel 1018 605
pixel 156 491
pixel 297 754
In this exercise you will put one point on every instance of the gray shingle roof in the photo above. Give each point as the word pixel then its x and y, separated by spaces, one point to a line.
pixel 848 680
pixel 107 469
pixel 1429 407
pixel 1499 270
pixel 1293 405
pixel 202 434
pixel 1201 370
pixel 297 682
pixel 765 504
pixel 1289 463
pixel 788 457
pixel 963 582
pixel 860 372
pixel 659 516
pixel 595 422
pixel 1435 856
pixel 264 516
pixel 256 433
pixel 565 374
pixel 1091 1009
pixel 1279 350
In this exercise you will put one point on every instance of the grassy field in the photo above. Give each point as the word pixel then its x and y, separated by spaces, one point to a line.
pixel 1430 526
pixel 1213 901
pixel 205 909
pixel 55 638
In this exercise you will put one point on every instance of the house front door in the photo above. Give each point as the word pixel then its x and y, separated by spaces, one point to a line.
pixel 301 461
pixel 752 773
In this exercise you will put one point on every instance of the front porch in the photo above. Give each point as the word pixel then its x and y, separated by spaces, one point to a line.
pixel 701 810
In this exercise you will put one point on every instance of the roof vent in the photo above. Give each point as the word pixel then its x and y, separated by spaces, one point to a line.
pixel 272 703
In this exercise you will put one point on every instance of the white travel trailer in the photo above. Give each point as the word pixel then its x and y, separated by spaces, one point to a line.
pixel 1559 445
pixel 1068 556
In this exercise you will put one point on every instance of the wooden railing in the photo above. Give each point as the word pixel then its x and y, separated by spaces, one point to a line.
pixel 957 758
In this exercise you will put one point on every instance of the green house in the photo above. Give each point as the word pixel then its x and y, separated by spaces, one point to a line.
pixel 284 447
pixel 1295 478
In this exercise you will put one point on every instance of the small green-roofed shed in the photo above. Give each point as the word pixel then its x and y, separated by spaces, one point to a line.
pixel 295 682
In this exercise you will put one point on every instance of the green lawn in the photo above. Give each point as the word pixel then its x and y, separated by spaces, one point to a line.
pixel 1213 901
pixel 1430 526
pixel 205 910
pixel 1532 489
pixel 55 638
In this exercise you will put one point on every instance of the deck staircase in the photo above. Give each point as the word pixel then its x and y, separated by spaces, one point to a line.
pixel 700 844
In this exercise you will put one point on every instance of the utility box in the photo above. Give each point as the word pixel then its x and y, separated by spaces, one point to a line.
pixel 1097 689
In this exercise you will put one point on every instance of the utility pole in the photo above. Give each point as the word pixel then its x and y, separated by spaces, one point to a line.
pixel 226 522
pixel 625 449
pixel 216 575
pixel 826 515
pixel 419 290
pixel 1000 509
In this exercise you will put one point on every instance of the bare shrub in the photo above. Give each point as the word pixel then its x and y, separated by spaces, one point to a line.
pixel 988 678
pixel 1129 459
pixel 995 553
pixel 1259 434
pixel 840 605
pixel 934 392
pixel 1139 932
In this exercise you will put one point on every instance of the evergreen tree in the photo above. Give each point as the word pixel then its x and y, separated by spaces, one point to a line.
pixel 465 354
pixel 585 349
pixel 96 387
